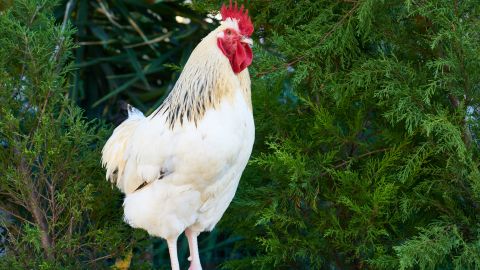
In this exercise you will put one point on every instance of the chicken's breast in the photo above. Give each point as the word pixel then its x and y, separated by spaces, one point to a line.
pixel 192 170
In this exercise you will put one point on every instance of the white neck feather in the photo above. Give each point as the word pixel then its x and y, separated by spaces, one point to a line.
pixel 206 78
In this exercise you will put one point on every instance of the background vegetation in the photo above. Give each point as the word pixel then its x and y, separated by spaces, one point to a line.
pixel 49 174
pixel 366 154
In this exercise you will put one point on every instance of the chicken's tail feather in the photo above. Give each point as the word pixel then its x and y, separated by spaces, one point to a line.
pixel 113 153
pixel 134 113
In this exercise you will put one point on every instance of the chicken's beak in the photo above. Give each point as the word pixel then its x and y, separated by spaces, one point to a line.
pixel 247 40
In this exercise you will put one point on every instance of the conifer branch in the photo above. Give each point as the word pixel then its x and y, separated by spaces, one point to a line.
pixel 59 46
pixel 17 216
pixel 100 258
pixel 321 41
pixel 345 162
pixel 34 205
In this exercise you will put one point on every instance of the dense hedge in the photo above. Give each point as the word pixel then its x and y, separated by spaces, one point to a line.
pixel 55 212
pixel 366 155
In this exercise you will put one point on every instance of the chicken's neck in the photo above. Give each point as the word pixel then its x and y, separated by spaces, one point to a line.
pixel 206 80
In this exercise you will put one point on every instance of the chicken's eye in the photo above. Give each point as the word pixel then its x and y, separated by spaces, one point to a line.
pixel 228 31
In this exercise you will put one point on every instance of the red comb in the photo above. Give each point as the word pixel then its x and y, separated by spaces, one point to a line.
pixel 244 22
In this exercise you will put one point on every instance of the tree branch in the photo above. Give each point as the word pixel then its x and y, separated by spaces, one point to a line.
pixel 33 203
pixel 324 37
pixel 343 163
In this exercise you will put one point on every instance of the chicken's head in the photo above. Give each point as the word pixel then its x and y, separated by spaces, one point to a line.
pixel 233 38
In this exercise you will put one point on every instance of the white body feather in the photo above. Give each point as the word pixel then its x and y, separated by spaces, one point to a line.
pixel 203 166
pixel 192 169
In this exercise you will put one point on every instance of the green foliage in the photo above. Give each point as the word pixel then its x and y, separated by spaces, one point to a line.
pixel 51 183
pixel 129 50
pixel 366 154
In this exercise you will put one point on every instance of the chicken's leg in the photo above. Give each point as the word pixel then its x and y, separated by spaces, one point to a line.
pixel 172 249
pixel 193 245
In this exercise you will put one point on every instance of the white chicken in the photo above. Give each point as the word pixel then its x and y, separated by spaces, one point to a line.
pixel 180 166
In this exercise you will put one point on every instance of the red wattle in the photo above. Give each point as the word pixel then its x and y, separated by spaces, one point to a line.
pixel 239 54
pixel 247 56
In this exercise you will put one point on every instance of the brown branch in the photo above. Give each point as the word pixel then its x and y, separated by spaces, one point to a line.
pixel 343 163
pixel 100 258
pixel 14 198
pixel 455 5
pixel 33 203
pixel 3 209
